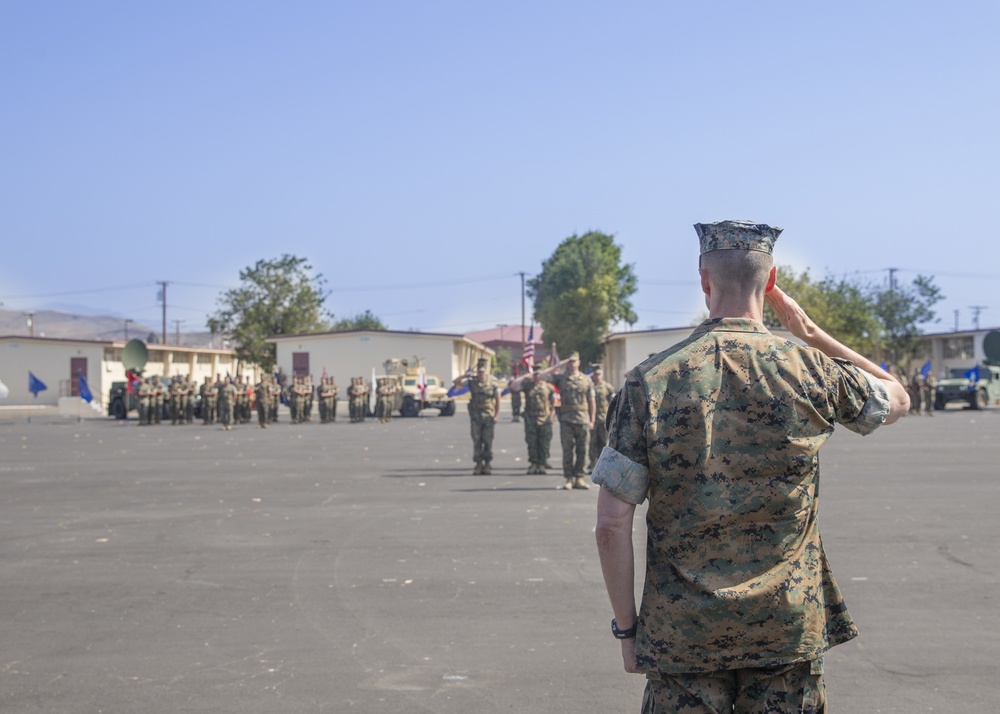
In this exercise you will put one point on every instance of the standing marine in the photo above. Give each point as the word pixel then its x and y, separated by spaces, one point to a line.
pixel 603 394
pixel 484 412
pixel 539 416
pixel 576 419
pixel 209 394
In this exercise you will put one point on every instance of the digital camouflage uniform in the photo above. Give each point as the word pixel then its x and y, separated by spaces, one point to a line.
pixel 538 401
pixel 386 398
pixel 227 395
pixel 358 395
pixel 575 392
pixel 209 393
pixel 176 401
pixel 262 401
pixel 603 394
pixel 482 412
pixel 736 575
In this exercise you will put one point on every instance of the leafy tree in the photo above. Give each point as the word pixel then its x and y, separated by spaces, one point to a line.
pixel 900 310
pixel 276 297
pixel 503 362
pixel 362 321
pixel 871 318
pixel 583 288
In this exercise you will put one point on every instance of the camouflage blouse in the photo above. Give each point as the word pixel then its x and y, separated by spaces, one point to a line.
pixel 482 396
pixel 721 432
pixel 538 401
pixel 575 392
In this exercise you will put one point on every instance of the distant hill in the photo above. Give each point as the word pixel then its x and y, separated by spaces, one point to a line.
pixel 67 325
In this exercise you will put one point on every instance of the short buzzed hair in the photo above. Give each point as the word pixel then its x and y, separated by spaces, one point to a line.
pixel 744 270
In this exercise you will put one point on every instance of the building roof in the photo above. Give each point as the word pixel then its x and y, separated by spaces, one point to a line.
pixel 350 333
pixel 507 333
pixel 55 340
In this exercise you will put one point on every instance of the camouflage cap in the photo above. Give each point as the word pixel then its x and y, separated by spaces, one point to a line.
pixel 736 235
pixel 575 356
pixel 483 364
pixel 597 368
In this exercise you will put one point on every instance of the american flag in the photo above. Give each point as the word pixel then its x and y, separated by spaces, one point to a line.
pixel 529 349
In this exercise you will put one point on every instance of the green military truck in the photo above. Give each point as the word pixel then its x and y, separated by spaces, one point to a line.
pixel 409 399
pixel 979 386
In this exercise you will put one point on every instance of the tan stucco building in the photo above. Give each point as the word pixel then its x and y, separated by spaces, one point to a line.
pixel 57 362
pixel 357 352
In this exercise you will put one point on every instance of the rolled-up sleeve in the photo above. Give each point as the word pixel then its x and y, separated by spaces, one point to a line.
pixel 623 468
pixel 875 410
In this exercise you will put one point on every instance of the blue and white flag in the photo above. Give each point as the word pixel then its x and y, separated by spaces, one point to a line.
pixel 973 376
pixel 926 369
pixel 456 390
pixel 85 394
pixel 35 385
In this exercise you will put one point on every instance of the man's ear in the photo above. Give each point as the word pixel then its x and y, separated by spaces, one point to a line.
pixel 772 278
pixel 706 287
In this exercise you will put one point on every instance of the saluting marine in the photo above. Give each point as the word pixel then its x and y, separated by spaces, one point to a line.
pixel 603 394
pixel 484 412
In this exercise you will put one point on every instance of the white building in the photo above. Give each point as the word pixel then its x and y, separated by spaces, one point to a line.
pixel 58 362
pixel 952 350
pixel 357 352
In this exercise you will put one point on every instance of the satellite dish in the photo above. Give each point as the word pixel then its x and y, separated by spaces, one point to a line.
pixel 991 345
pixel 134 355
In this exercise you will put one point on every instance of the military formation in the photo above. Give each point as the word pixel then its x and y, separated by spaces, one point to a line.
pixel 921 387
pixel 579 401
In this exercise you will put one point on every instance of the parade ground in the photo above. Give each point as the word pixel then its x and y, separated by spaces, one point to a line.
pixel 363 568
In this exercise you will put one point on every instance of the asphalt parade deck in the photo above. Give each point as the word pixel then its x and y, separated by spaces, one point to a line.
pixel 362 568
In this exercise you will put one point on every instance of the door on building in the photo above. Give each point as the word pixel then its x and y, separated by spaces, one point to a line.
pixel 300 364
pixel 76 365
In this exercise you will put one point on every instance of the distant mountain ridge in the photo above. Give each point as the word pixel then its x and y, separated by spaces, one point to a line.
pixel 74 326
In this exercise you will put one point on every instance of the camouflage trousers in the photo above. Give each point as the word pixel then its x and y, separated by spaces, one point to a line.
pixel 786 689
pixel 482 437
pixel 263 413
pixel 208 408
pixel 225 412
pixel 539 438
pixel 598 440
pixel 574 438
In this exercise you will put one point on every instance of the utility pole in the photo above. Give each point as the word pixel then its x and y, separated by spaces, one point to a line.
pixel 976 309
pixel 163 297
pixel 126 328
pixel 177 331
pixel 31 323
pixel 892 279
pixel 956 320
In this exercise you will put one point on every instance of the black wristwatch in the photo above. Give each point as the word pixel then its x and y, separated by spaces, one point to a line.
pixel 624 634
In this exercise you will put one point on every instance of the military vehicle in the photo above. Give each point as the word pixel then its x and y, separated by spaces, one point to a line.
pixel 961 384
pixel 121 401
pixel 410 399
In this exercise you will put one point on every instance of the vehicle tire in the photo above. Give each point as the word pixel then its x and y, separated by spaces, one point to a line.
pixel 410 407
pixel 981 399
pixel 118 409
pixel 938 403
pixel 448 409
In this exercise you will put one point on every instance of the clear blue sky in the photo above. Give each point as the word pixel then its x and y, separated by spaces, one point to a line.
pixel 420 155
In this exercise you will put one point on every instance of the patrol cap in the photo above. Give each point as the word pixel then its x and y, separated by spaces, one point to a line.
pixel 736 235
pixel 537 367
pixel 597 368
pixel 575 356
pixel 482 364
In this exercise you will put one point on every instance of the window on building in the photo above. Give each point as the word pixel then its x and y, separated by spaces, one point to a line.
pixel 204 358
pixel 958 348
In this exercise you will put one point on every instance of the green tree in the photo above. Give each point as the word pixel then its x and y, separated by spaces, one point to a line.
pixel 503 362
pixel 583 288
pixel 275 297
pixel 840 307
pixel 900 310
pixel 873 319
pixel 362 321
